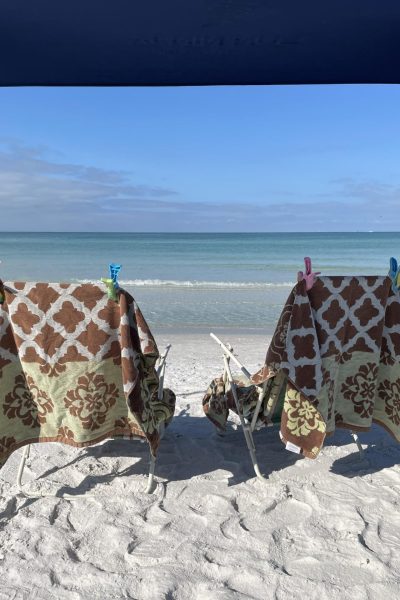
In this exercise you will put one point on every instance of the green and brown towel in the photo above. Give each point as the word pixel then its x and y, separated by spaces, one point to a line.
pixel 76 367
pixel 334 361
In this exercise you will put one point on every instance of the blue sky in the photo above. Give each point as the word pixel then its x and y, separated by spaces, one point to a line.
pixel 314 158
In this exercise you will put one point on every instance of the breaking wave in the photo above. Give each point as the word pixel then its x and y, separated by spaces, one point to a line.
pixel 172 283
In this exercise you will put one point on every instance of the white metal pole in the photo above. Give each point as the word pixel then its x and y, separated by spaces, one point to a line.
pixel 25 455
pixel 161 382
pixel 246 430
pixel 232 356
pixel 151 484
pixel 162 359
pixel 261 396
pixel 357 441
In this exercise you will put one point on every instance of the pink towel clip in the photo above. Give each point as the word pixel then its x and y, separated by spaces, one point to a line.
pixel 309 276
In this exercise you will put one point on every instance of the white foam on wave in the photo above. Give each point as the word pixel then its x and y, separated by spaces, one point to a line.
pixel 172 283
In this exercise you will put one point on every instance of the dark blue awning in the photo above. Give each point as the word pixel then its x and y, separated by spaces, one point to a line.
pixel 199 42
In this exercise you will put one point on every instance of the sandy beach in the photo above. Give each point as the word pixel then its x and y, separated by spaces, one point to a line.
pixel 326 528
pixel 207 204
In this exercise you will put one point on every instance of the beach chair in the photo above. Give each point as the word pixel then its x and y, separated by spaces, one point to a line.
pixel 237 387
pixel 78 365
pixel 332 363
pixel 271 390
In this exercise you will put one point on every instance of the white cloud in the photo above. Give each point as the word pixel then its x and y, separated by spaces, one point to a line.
pixel 40 194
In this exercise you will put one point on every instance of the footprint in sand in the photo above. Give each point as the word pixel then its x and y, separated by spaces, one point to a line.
pixel 279 513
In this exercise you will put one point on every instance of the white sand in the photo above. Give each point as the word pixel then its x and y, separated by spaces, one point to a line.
pixel 325 529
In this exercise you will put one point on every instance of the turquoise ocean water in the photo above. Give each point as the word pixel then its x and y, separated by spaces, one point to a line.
pixel 186 282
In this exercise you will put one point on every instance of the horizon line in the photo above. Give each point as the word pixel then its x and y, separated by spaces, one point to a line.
pixel 201 232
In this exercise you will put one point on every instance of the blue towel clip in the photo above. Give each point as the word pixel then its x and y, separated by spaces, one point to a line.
pixel 394 274
pixel 114 270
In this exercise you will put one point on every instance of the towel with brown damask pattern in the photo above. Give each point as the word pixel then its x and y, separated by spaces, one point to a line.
pixel 334 361
pixel 76 367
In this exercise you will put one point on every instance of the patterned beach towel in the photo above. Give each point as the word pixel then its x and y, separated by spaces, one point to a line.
pixel 76 367
pixel 334 361
pixel 219 400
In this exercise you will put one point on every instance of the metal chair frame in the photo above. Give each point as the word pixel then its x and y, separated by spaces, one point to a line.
pixel 249 427
pixel 151 482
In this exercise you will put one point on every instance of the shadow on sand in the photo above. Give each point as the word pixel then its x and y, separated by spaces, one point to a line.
pixel 382 452
pixel 191 448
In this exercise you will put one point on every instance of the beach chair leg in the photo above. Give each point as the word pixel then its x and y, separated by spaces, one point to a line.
pixel 161 372
pixel 252 450
pixel 357 441
pixel 29 494
pixel 221 433
pixel 25 455
pixel 161 381
pixel 151 483
pixel 162 359
pixel 257 409
pixel 246 428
